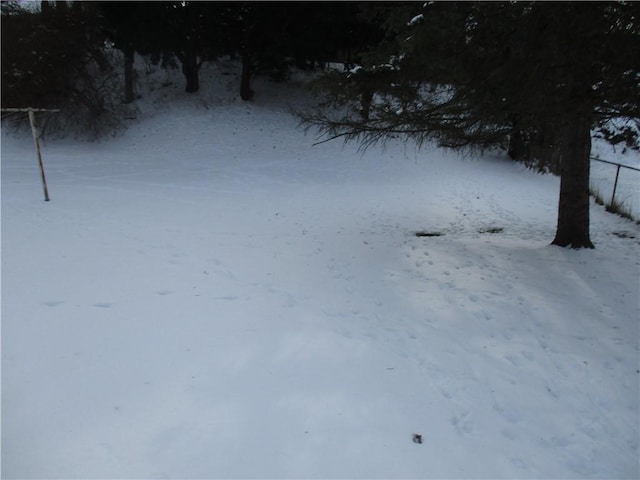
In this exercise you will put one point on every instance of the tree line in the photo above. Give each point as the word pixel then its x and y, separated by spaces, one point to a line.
pixel 45 50
pixel 532 77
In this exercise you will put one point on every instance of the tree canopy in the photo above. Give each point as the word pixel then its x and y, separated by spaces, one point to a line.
pixel 483 74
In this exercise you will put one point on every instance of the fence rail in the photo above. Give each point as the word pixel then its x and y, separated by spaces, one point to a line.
pixel 614 163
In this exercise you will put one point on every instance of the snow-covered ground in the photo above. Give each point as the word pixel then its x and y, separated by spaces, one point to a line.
pixel 210 296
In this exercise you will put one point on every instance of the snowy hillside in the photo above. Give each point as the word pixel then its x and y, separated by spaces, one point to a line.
pixel 209 296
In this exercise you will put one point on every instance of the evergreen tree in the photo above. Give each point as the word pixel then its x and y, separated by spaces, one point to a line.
pixel 129 26
pixel 188 26
pixel 268 37
pixel 478 74
pixel 186 30
pixel 271 37
pixel 55 58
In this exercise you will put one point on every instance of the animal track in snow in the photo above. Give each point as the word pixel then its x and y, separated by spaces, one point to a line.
pixel 102 305
pixel 53 303
pixel 462 423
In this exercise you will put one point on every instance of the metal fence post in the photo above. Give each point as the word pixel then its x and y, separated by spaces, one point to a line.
pixel 615 185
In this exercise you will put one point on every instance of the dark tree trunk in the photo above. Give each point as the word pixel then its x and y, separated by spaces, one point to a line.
pixel 190 69
pixel 573 207
pixel 45 8
pixel 517 145
pixel 545 150
pixel 366 97
pixel 519 148
pixel 245 80
pixel 128 74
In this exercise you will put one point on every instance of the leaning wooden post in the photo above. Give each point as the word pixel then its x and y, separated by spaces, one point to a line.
pixel 34 131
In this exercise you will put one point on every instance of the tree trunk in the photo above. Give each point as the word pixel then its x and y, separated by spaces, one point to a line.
pixel 545 151
pixel 245 80
pixel 366 97
pixel 45 8
pixel 517 145
pixel 519 148
pixel 573 206
pixel 128 74
pixel 190 69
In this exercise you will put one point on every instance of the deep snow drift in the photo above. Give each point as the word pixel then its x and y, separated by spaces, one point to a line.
pixel 210 296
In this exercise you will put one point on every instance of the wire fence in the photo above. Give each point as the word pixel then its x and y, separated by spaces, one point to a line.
pixel 617 185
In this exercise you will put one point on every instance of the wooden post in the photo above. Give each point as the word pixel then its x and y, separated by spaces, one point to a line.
pixel 32 120
pixel 34 131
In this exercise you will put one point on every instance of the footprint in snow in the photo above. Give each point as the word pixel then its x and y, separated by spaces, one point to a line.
pixel 53 303
pixel 102 305
pixel 462 424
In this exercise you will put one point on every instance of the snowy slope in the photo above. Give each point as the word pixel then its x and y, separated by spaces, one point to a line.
pixel 209 296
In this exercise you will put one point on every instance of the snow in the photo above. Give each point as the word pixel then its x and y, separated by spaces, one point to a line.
pixel 415 20
pixel 209 296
